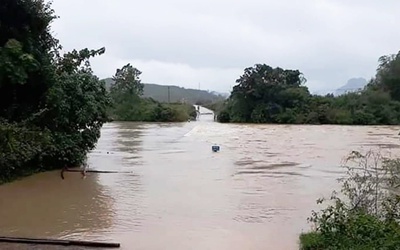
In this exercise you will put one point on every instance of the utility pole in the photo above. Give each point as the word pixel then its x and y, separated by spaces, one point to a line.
pixel 198 94
pixel 169 96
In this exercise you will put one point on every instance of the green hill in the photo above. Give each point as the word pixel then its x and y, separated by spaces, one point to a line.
pixel 176 94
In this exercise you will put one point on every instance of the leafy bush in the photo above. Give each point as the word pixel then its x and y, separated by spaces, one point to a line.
pixel 368 214
pixel 20 150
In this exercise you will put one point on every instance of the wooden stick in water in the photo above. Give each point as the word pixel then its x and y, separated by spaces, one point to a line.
pixel 97 171
pixel 59 242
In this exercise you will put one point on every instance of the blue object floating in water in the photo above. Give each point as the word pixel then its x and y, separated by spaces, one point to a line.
pixel 215 148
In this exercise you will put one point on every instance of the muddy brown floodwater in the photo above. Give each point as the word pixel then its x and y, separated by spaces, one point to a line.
pixel 256 193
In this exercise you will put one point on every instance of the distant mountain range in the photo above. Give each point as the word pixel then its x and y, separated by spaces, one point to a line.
pixel 176 94
pixel 352 85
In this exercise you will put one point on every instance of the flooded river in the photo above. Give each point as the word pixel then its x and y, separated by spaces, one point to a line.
pixel 173 192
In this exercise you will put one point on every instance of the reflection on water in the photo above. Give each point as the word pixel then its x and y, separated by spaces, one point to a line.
pixel 44 205
pixel 173 192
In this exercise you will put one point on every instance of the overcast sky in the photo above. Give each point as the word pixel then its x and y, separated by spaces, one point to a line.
pixel 187 42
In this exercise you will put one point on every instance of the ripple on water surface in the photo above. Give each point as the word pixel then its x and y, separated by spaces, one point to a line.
pixel 171 191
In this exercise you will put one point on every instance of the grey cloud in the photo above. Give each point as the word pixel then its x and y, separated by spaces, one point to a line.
pixel 186 42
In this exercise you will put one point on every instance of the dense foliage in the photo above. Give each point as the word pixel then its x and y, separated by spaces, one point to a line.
pixel 274 95
pixel 126 91
pixel 367 216
pixel 52 106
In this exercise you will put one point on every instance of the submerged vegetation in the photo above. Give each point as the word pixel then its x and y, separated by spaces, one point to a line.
pixel 273 95
pixel 366 213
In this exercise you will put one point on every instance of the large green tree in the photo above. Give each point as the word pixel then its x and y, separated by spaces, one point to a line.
pixel 52 106
pixel 266 94
pixel 77 106
pixel 127 80
pixel 125 91
pixel 27 51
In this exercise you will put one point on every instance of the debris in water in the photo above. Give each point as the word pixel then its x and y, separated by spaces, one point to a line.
pixel 215 148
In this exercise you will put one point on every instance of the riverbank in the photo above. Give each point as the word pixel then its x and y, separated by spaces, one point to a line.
pixel 18 176
pixel 20 149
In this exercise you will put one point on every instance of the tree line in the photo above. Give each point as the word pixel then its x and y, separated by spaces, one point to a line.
pixel 274 95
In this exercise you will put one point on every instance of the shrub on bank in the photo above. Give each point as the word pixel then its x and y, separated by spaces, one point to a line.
pixel 368 215
pixel 182 111
pixel 20 150
pixel 345 229
pixel 149 110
